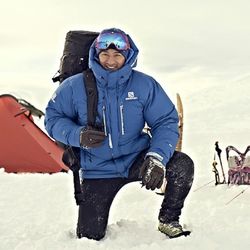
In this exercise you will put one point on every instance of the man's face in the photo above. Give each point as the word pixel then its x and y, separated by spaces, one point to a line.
pixel 111 59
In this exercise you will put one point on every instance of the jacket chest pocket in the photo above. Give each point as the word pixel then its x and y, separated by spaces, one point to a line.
pixel 130 119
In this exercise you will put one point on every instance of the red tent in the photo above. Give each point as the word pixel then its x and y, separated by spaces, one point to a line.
pixel 24 147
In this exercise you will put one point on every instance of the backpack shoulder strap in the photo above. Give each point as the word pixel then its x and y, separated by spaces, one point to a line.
pixel 92 96
pixel 69 155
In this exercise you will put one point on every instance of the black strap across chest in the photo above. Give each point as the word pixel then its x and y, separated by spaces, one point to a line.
pixel 92 96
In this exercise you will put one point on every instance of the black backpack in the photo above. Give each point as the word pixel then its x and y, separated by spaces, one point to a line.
pixel 75 54
pixel 73 61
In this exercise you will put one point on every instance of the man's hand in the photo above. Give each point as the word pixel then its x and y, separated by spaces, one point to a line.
pixel 70 158
pixel 152 173
pixel 91 137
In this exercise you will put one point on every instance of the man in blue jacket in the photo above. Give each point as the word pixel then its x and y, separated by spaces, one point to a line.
pixel 117 151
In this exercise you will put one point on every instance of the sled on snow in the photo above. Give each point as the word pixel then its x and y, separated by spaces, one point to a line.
pixel 24 147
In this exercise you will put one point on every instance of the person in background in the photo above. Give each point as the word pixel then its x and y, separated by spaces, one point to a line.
pixel 117 151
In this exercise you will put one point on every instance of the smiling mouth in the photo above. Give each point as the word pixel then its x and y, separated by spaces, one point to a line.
pixel 110 67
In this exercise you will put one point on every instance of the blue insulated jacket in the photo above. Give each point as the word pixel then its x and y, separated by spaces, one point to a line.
pixel 127 99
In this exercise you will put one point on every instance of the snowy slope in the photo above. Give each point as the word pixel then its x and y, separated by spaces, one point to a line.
pixel 197 48
pixel 38 211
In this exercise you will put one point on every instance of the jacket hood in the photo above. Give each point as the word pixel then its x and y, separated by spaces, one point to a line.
pixel 130 62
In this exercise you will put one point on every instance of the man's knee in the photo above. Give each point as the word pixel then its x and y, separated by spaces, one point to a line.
pixel 92 222
pixel 181 164
pixel 93 235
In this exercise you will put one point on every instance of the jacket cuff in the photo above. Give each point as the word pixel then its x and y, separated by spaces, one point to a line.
pixel 155 155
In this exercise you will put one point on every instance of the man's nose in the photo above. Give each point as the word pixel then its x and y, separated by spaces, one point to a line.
pixel 111 60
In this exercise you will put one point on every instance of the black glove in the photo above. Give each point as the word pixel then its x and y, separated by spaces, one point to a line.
pixel 71 158
pixel 152 173
pixel 91 137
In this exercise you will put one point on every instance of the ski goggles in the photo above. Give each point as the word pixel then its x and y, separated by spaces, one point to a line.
pixel 119 40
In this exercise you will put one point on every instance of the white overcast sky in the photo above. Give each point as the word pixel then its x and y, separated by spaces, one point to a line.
pixel 212 36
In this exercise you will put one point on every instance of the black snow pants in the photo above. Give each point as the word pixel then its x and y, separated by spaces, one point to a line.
pixel 99 194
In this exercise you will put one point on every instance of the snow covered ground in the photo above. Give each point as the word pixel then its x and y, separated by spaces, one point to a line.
pixel 38 211
pixel 199 49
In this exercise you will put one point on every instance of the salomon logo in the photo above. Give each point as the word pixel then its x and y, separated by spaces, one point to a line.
pixel 131 96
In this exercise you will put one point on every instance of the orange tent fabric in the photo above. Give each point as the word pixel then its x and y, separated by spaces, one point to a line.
pixel 24 147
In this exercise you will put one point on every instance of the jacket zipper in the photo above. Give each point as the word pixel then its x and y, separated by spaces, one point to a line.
pixel 122 119
pixel 105 127
pixel 110 141
pixel 104 120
